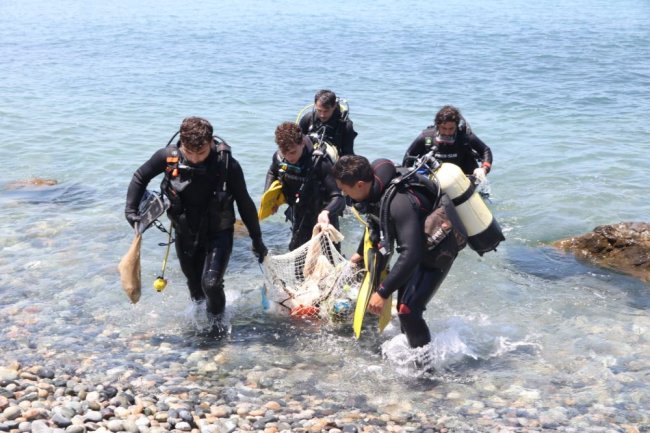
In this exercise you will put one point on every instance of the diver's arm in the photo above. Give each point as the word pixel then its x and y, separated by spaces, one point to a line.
pixel 347 139
pixel 416 149
pixel 304 122
pixel 482 150
pixel 335 202
pixel 409 238
pixel 141 178
pixel 245 204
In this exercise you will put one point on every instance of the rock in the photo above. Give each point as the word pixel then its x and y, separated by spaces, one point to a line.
pixel 240 228
pixel 12 412
pixel 623 247
pixel 7 374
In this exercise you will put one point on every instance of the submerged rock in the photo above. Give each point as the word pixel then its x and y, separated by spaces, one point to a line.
pixel 623 247
pixel 37 191
pixel 35 181
pixel 240 228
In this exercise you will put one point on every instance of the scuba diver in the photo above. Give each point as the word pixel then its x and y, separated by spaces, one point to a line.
pixel 307 184
pixel 329 121
pixel 454 142
pixel 202 182
pixel 397 208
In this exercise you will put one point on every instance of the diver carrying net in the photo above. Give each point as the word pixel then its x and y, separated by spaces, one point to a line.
pixel 314 280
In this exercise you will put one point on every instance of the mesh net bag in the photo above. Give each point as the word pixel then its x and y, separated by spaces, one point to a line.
pixel 314 280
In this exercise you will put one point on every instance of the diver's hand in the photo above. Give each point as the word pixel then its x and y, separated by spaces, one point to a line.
pixel 324 217
pixel 480 174
pixel 132 217
pixel 356 260
pixel 259 249
pixel 376 303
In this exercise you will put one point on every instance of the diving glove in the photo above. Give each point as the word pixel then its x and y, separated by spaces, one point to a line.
pixel 259 249
pixel 132 218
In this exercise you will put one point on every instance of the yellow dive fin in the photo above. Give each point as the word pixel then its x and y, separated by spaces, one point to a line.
pixel 365 290
pixel 271 200
pixel 362 304
pixel 375 264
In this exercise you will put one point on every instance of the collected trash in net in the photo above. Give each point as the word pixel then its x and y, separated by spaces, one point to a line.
pixel 314 280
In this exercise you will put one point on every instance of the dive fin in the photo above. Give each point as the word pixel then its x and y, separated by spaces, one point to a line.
pixel 271 200
pixel 375 264
pixel 362 304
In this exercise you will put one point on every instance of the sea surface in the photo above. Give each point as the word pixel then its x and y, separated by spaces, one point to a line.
pixel 559 90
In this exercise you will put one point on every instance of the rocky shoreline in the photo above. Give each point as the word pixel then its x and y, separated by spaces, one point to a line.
pixel 40 400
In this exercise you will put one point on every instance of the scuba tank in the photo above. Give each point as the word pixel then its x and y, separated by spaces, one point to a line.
pixel 483 231
pixel 319 143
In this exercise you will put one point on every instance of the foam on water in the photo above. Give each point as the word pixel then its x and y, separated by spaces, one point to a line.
pixel 456 345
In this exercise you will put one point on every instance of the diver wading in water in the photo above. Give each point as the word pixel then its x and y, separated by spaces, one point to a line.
pixel 329 121
pixel 202 181
pixel 307 184
pixel 453 141
pixel 397 207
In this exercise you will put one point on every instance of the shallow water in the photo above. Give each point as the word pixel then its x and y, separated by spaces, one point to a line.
pixel 560 92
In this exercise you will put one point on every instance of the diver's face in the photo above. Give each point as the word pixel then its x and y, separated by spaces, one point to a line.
pixel 196 156
pixel 323 112
pixel 358 191
pixel 447 128
pixel 293 154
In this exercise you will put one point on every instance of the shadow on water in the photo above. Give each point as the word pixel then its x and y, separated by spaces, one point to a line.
pixel 554 265
pixel 545 262
pixel 249 328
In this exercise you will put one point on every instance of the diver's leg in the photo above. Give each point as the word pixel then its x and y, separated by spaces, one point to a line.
pixel 214 269
pixel 191 261
pixel 301 233
pixel 413 300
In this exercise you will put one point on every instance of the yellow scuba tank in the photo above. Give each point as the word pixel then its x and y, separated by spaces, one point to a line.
pixel 483 231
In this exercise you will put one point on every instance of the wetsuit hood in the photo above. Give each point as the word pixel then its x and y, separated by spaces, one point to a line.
pixel 384 171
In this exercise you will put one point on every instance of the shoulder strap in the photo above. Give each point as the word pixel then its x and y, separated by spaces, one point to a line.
pixel 386 240
pixel 223 161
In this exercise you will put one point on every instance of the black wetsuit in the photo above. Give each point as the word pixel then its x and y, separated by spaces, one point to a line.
pixel 338 132
pixel 416 274
pixel 203 217
pixel 308 190
pixel 467 151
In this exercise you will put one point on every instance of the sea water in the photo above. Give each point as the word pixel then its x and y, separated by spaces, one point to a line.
pixel 560 91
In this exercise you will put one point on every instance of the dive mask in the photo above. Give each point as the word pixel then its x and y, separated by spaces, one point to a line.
pixel 445 139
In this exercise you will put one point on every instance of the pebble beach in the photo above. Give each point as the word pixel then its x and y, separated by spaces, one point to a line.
pixel 162 386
